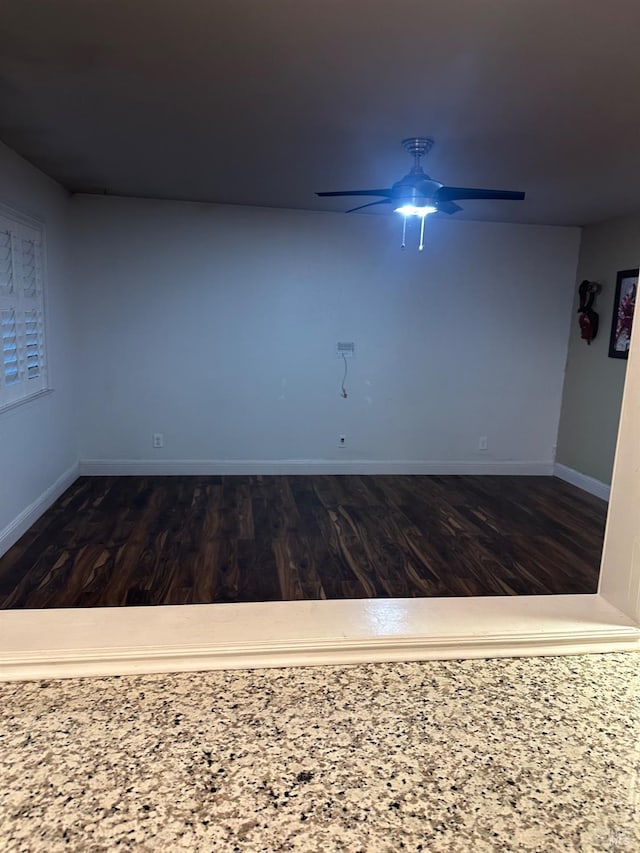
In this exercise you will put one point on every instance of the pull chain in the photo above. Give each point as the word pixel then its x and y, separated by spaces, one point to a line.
pixel 404 232
pixel 421 246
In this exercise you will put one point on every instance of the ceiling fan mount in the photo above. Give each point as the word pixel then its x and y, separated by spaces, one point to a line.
pixel 417 146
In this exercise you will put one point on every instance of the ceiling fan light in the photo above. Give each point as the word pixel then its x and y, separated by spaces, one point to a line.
pixel 416 209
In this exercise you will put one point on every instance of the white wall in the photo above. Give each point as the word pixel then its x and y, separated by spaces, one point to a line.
pixel 620 573
pixel 217 326
pixel 38 439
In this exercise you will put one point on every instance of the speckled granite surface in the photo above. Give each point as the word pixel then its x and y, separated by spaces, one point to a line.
pixel 504 755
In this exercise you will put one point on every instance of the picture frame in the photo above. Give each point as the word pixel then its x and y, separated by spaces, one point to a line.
pixel 624 304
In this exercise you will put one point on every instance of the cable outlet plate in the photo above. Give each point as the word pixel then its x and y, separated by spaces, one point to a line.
pixel 345 349
pixel 342 441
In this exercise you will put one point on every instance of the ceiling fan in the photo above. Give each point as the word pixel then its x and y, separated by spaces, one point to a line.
pixel 419 195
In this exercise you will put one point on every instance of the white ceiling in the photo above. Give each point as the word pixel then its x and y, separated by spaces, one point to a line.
pixel 265 101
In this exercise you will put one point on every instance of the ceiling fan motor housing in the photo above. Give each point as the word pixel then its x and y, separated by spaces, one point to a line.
pixel 415 189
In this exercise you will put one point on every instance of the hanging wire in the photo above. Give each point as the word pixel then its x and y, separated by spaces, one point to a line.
pixel 343 392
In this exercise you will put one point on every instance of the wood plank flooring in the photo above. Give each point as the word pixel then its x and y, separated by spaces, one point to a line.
pixel 114 541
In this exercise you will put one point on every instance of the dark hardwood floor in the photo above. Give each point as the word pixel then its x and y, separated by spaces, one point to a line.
pixel 111 541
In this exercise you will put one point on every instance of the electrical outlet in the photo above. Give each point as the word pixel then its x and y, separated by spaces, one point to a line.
pixel 483 443
pixel 342 441
pixel 158 439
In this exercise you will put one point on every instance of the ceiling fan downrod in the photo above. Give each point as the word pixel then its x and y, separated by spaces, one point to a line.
pixel 417 147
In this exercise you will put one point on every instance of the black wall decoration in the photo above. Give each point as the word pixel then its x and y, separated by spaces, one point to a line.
pixel 624 304
pixel 589 319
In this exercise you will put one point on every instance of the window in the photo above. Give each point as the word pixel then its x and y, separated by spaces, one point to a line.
pixel 22 363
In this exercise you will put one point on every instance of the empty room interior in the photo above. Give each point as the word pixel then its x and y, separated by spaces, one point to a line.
pixel 319 417
pixel 222 384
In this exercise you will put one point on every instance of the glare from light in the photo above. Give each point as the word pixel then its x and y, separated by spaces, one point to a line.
pixel 415 210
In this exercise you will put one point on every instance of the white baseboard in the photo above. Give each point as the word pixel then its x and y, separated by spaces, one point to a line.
pixel 589 484
pixel 182 638
pixel 22 522
pixel 150 467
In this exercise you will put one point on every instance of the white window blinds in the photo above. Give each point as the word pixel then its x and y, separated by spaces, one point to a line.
pixel 22 362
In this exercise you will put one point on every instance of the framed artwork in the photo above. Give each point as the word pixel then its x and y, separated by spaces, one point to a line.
pixel 624 305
